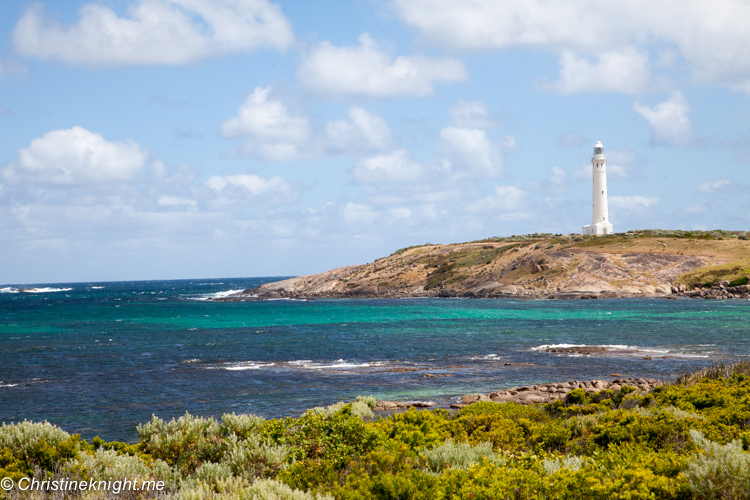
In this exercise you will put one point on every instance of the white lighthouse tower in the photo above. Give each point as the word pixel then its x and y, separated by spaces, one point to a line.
pixel 600 219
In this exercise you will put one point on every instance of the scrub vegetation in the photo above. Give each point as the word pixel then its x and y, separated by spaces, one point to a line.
pixel 684 440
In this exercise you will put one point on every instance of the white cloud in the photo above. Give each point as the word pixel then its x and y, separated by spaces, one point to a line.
pixel 626 71
pixel 557 176
pixel 356 213
pixel 400 213
pixel 470 114
pixel 695 208
pixel 76 156
pixel 369 70
pixel 154 32
pixel 268 127
pixel 362 131
pixel 670 124
pixel 271 131
pixel 244 186
pixel 176 201
pixel 631 202
pixel 393 168
pixel 471 150
pixel 572 139
pixel 711 36
pixel 504 199
pixel 709 187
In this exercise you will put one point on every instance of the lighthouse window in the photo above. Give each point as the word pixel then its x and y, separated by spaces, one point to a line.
pixel 602 192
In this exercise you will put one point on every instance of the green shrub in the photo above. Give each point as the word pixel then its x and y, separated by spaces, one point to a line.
pixel 720 471
pixel 368 400
pixel 186 443
pixel 739 281
pixel 104 464
pixel 255 457
pixel 457 455
pixel 26 445
pixel 238 489
pixel 571 463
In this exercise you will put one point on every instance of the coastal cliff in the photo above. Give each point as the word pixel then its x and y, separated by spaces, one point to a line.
pixel 634 264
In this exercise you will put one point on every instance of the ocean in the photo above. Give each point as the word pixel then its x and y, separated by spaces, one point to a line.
pixel 99 358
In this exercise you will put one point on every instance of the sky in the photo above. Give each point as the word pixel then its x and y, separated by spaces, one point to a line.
pixel 167 139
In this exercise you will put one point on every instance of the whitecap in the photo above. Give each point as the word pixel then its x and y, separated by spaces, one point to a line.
pixel 217 295
pixel 45 289
pixel 339 364
pixel 247 365
pixel 97 287
pixel 8 289
pixel 486 357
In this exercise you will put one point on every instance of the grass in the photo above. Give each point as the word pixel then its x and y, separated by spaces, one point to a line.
pixel 710 275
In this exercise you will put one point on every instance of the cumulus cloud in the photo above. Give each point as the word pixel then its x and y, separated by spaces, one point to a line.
pixel 400 213
pixel 669 120
pixel 695 208
pixel 710 187
pixel 369 70
pixel 393 168
pixel 268 129
pixel 572 139
pixel 558 179
pixel 504 199
pixel 76 156
pixel 362 131
pixel 239 188
pixel 472 150
pixel 711 37
pixel 471 114
pixel 626 71
pixel 176 201
pixel 154 32
pixel 632 202
pixel 357 213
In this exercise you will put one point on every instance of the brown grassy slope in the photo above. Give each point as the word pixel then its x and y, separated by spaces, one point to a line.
pixel 616 265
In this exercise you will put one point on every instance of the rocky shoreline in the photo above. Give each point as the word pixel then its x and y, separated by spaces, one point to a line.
pixel 531 394
pixel 720 290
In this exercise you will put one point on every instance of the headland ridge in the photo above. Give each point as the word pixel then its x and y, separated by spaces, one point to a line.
pixel 645 263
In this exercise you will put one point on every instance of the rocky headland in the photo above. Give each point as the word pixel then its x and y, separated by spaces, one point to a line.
pixel 635 264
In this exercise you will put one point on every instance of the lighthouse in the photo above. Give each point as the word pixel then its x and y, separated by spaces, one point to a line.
pixel 600 219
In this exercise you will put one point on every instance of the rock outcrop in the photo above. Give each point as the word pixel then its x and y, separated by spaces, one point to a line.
pixel 546 393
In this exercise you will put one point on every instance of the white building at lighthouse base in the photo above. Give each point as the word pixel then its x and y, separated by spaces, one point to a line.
pixel 598 228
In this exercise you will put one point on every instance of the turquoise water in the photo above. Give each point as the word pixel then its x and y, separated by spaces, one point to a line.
pixel 98 358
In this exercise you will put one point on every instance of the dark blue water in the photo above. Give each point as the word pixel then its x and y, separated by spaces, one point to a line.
pixel 99 358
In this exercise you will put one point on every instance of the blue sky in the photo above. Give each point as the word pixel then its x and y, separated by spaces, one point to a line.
pixel 157 139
